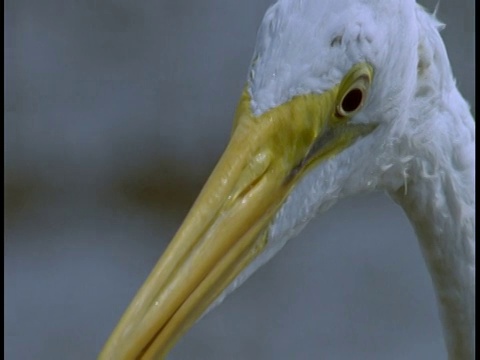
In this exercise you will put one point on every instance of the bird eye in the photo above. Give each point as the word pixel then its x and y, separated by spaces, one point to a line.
pixel 352 100
pixel 353 91
pixel 350 103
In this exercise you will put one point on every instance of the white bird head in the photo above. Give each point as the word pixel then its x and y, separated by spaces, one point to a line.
pixel 333 104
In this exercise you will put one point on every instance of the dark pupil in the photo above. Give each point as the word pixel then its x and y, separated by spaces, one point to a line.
pixel 352 100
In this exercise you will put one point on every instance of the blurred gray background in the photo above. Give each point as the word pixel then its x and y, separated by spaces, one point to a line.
pixel 115 113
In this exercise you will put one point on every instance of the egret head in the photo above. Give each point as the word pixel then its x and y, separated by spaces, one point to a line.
pixel 312 47
pixel 331 83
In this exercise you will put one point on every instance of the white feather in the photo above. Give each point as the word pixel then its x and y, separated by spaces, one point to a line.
pixel 422 153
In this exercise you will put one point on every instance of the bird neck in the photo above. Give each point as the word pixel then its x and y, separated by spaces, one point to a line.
pixel 439 199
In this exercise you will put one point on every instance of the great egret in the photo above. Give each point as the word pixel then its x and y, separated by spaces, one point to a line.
pixel 342 97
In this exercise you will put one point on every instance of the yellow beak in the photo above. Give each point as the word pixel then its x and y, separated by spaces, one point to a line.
pixel 227 226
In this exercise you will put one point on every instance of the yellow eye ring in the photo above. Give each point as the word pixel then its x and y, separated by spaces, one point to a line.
pixel 353 90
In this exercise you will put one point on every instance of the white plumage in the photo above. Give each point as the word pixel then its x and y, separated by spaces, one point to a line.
pixel 422 154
